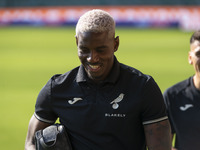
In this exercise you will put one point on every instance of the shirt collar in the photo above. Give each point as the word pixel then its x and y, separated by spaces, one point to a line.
pixel 111 78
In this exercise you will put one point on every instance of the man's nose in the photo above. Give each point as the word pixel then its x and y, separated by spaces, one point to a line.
pixel 93 57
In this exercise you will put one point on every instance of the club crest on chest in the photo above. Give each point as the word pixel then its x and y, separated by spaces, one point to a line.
pixel 115 102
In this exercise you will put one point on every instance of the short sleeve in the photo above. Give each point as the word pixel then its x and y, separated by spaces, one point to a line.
pixel 153 107
pixel 43 106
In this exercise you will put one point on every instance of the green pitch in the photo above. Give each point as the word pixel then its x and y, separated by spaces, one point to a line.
pixel 30 56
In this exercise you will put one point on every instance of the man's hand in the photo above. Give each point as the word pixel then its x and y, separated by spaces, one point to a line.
pixel 34 125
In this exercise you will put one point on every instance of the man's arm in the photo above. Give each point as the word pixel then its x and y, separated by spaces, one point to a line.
pixel 34 125
pixel 158 135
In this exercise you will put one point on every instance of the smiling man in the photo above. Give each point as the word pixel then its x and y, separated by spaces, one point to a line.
pixel 103 104
pixel 183 103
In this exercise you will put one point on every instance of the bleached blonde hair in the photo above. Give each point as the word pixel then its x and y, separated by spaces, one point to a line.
pixel 97 21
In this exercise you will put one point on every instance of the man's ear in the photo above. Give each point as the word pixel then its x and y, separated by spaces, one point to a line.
pixel 116 43
pixel 190 58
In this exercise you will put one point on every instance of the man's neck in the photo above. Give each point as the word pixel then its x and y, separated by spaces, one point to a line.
pixel 196 80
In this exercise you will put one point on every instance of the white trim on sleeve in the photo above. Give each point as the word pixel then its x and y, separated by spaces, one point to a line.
pixel 154 121
pixel 42 119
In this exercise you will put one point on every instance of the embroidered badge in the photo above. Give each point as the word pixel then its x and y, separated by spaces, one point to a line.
pixel 115 102
pixel 74 100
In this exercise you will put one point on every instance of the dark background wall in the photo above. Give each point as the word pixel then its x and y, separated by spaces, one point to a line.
pixel 22 3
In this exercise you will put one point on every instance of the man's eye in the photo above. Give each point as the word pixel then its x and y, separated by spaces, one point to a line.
pixel 100 50
pixel 84 50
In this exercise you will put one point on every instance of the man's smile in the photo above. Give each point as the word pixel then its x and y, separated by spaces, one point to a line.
pixel 94 68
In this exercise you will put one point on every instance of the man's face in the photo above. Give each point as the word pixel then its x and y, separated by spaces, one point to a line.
pixel 96 53
pixel 194 56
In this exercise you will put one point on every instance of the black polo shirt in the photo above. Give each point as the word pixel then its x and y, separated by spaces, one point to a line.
pixel 107 116
pixel 183 107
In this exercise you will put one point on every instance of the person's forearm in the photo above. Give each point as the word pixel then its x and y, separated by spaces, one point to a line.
pixel 158 136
